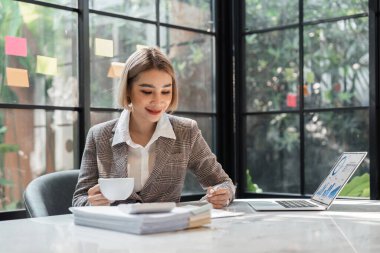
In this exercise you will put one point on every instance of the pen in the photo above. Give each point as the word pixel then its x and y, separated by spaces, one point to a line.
pixel 214 188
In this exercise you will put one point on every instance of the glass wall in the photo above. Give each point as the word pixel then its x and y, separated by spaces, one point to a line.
pixel 38 95
pixel 185 34
pixel 306 93
pixel 40 100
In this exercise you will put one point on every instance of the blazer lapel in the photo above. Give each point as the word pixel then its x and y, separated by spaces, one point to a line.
pixel 120 164
pixel 163 150
pixel 120 160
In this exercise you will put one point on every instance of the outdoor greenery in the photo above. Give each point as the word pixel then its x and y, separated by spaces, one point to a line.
pixel 357 187
pixel 251 187
pixel 41 31
pixel 335 75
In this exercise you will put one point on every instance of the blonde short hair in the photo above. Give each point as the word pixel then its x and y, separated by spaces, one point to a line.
pixel 142 60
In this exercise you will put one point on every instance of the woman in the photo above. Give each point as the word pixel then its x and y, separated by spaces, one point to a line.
pixel 148 144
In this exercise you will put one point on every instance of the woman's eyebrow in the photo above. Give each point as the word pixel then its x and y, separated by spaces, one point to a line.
pixel 146 85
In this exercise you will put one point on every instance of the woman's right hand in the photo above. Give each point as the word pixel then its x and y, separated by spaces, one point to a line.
pixel 96 198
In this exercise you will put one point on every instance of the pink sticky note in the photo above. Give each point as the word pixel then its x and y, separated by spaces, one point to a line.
pixel 291 100
pixel 15 46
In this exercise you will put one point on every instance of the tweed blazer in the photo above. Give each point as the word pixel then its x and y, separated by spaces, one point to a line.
pixel 106 157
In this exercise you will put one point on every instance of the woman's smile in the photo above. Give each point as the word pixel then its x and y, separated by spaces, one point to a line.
pixel 153 111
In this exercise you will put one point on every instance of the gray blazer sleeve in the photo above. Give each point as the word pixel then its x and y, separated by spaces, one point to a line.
pixel 88 174
pixel 203 163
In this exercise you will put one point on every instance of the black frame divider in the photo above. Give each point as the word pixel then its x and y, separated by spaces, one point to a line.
pixel 84 120
pixel 301 99
pixel 239 84
pixel 374 81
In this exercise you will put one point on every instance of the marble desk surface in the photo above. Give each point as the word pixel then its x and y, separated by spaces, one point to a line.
pixel 349 226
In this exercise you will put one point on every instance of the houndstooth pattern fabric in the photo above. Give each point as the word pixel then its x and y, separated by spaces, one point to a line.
pixel 189 151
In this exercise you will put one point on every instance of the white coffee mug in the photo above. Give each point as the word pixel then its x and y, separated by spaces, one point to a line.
pixel 116 188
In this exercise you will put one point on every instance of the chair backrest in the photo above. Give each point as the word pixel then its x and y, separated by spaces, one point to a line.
pixel 51 194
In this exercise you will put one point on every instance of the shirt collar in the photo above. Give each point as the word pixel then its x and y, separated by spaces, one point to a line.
pixel 163 129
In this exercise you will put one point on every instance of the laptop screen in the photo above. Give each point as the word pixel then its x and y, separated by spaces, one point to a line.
pixel 343 169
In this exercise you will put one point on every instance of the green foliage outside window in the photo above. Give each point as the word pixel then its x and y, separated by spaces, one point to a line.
pixel 335 75
pixel 357 187
pixel 251 187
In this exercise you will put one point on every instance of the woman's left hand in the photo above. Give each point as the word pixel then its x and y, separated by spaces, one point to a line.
pixel 219 197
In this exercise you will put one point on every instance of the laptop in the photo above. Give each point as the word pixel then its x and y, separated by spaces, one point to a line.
pixel 328 190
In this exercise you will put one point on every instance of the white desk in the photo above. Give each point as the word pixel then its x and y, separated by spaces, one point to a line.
pixel 345 228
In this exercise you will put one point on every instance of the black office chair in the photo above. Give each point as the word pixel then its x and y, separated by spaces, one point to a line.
pixel 51 194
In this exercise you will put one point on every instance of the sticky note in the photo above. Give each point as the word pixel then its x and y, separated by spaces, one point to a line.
pixel 17 77
pixel 15 46
pixel 29 12
pixel 309 77
pixel 116 69
pixel 46 65
pixel 138 46
pixel 305 90
pixel 103 47
pixel 291 100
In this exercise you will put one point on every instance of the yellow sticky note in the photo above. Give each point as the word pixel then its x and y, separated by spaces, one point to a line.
pixel 17 77
pixel 29 12
pixel 116 69
pixel 138 46
pixel 46 65
pixel 104 47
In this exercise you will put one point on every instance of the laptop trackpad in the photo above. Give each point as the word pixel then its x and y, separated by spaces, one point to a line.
pixel 266 203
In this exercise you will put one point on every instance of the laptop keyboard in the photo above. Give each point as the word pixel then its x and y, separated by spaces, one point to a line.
pixel 295 203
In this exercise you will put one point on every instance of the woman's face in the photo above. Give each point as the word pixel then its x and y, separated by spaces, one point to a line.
pixel 151 95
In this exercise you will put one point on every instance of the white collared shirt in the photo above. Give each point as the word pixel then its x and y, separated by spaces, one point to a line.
pixel 141 159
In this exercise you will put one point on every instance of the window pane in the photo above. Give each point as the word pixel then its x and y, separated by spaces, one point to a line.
pixel 336 64
pixel 192 13
pixel 192 55
pixel 272 71
pixel 99 117
pixel 272 153
pixel 67 3
pixel 39 62
pixel 321 9
pixel 111 41
pixel 206 125
pixel 264 14
pixel 144 9
pixel 33 143
pixel 327 135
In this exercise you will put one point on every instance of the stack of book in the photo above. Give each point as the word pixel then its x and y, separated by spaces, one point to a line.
pixel 120 218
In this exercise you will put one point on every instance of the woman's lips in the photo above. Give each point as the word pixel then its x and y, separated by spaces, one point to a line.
pixel 153 112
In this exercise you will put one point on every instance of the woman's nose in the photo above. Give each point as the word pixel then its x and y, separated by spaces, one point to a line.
pixel 157 98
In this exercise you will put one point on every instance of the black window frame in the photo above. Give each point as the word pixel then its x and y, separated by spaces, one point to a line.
pixel 372 108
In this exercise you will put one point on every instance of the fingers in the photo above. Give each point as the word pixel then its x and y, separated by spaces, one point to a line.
pixel 94 190
pixel 96 198
pixel 219 198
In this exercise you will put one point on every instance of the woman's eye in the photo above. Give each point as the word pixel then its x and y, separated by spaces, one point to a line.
pixel 166 92
pixel 146 92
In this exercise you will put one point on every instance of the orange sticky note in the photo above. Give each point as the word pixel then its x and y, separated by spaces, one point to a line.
pixel 15 46
pixel 46 65
pixel 104 47
pixel 116 69
pixel 305 90
pixel 17 77
pixel 291 100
